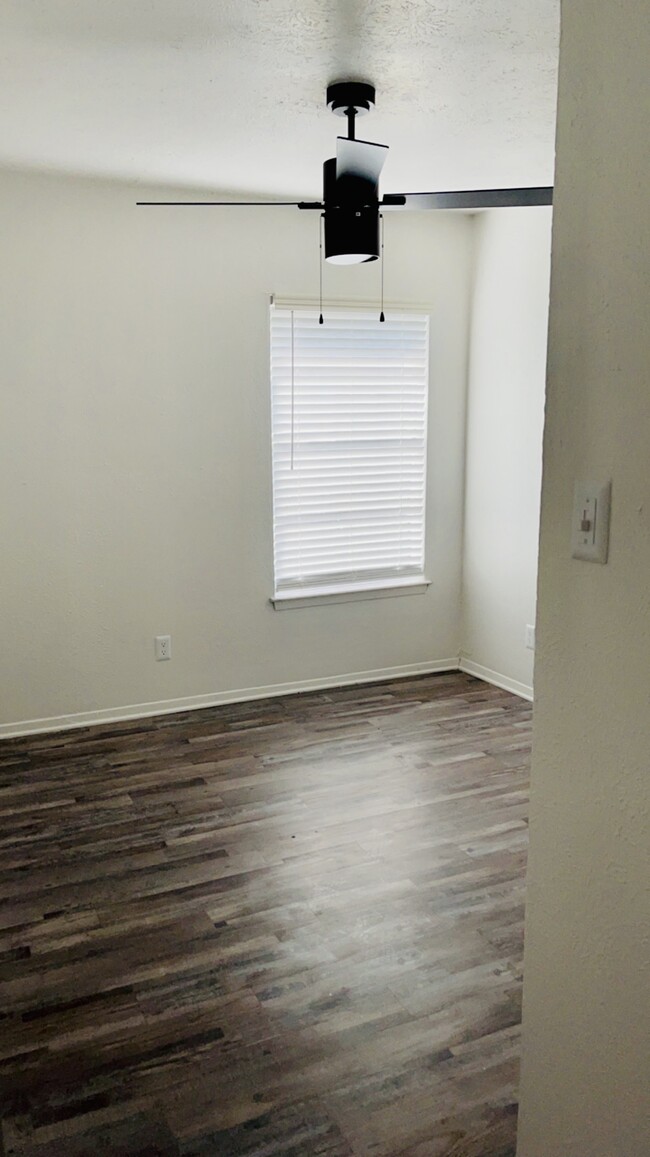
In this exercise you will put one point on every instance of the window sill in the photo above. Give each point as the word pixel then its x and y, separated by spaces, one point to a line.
pixel 322 596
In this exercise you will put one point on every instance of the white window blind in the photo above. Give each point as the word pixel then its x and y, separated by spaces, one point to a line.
pixel 349 421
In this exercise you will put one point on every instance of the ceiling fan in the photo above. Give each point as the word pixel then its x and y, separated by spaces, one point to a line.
pixel 351 203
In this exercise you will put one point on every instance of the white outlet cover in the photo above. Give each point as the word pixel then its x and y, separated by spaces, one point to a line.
pixel 163 647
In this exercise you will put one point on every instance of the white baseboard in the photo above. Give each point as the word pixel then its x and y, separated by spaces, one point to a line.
pixel 192 702
pixel 489 676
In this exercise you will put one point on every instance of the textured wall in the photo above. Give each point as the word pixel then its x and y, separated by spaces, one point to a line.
pixel 135 456
pixel 586 1072
pixel 505 411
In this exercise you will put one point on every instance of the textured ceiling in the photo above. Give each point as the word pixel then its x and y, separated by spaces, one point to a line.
pixel 229 94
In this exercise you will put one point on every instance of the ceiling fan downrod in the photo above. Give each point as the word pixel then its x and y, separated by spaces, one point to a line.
pixel 350 98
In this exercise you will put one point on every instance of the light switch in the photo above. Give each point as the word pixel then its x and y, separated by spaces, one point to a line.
pixel 590 524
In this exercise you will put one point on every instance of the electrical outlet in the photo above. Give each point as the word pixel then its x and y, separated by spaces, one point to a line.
pixel 163 647
pixel 530 637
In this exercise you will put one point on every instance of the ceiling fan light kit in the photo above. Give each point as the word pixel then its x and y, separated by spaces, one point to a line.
pixel 351 217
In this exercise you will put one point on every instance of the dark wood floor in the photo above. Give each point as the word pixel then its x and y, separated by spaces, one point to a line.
pixel 288 927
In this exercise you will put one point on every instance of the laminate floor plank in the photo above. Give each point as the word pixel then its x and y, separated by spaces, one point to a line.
pixel 288 927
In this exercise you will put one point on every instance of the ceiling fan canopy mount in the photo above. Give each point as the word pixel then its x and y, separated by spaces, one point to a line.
pixel 346 94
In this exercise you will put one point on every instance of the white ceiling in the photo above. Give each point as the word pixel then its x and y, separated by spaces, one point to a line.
pixel 230 94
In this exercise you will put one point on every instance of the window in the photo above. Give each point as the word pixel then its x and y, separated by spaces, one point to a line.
pixel 349 422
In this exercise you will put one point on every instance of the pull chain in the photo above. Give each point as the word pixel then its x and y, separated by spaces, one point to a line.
pixel 320 269
pixel 381 315
pixel 293 388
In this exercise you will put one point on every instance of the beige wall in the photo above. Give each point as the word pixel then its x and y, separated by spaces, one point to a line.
pixel 505 414
pixel 586 1073
pixel 135 454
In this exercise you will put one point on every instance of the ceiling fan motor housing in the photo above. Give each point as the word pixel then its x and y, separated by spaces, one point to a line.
pixel 351 217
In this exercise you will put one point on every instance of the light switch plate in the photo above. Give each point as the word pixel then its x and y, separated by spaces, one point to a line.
pixel 590 521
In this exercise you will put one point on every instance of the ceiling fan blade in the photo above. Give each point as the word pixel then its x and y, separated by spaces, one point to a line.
pixel 359 159
pixel 470 199
pixel 257 204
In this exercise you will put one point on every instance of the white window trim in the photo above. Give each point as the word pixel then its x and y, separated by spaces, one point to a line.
pixel 322 596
